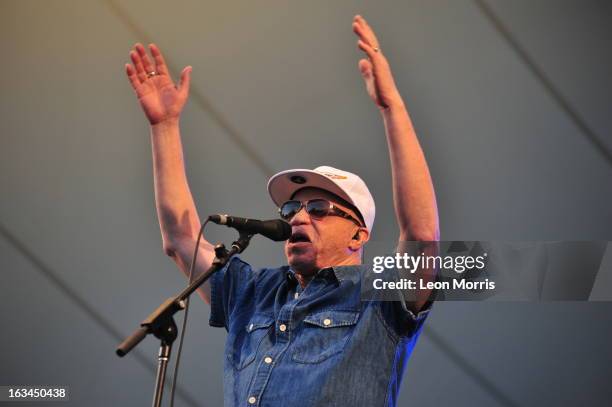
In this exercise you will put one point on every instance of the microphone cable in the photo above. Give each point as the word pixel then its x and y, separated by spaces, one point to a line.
pixel 184 325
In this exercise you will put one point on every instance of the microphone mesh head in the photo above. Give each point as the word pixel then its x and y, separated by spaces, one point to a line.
pixel 284 230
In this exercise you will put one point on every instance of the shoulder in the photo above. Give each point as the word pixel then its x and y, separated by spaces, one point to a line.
pixel 241 269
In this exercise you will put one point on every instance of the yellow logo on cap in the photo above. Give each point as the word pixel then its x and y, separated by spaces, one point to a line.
pixel 333 176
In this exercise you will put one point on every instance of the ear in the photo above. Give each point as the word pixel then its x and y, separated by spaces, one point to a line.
pixel 359 239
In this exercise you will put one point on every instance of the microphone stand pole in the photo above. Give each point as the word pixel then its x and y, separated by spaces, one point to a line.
pixel 161 323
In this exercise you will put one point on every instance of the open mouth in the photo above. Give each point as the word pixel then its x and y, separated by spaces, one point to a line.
pixel 299 237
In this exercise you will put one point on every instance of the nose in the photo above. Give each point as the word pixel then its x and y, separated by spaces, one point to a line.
pixel 300 218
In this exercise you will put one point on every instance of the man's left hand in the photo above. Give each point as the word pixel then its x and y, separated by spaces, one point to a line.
pixel 375 69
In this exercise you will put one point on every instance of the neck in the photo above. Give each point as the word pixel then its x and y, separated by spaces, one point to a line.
pixel 303 279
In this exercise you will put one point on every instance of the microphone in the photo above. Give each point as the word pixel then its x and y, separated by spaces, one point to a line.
pixel 275 229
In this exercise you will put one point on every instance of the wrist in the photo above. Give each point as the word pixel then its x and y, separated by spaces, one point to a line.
pixel 392 106
pixel 165 123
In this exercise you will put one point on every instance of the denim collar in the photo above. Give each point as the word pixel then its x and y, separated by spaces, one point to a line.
pixel 335 274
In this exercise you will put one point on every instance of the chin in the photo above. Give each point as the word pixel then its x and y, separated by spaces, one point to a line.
pixel 300 261
pixel 301 256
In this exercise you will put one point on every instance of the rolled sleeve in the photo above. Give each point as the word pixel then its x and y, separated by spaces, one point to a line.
pixel 402 319
pixel 227 287
pixel 397 305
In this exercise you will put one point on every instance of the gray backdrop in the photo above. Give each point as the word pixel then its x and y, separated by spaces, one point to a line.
pixel 511 100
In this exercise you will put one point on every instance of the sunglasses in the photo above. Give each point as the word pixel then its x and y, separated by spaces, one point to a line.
pixel 316 208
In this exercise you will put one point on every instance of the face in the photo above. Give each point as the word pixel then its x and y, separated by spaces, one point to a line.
pixel 321 242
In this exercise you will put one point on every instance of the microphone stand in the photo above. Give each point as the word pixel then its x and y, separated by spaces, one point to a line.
pixel 161 323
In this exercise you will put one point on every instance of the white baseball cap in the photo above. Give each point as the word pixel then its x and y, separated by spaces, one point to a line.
pixel 346 185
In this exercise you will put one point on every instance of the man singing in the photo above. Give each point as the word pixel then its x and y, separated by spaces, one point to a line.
pixel 300 335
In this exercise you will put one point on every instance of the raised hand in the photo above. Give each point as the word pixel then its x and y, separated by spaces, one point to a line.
pixel 159 97
pixel 375 69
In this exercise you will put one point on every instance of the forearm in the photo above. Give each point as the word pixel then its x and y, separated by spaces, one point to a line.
pixel 176 210
pixel 413 193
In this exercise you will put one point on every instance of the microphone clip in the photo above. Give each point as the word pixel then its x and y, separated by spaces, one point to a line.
pixel 221 254
pixel 242 242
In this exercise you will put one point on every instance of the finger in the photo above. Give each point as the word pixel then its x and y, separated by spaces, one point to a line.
pixel 364 23
pixel 357 29
pixel 367 48
pixel 146 62
pixel 160 63
pixel 367 31
pixel 370 32
pixel 365 67
pixel 361 32
pixel 131 73
pixel 184 81
pixel 140 72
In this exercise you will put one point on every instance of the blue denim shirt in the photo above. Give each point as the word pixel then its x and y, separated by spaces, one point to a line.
pixel 320 346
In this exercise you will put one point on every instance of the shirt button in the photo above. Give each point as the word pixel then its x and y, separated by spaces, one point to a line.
pixel 252 400
pixel 282 327
pixel 268 359
pixel 327 322
pixel 296 295
pixel 251 327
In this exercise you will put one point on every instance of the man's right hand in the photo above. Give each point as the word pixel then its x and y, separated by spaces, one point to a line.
pixel 160 98
pixel 162 103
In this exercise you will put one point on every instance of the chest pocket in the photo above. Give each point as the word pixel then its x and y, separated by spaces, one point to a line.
pixel 243 345
pixel 323 335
